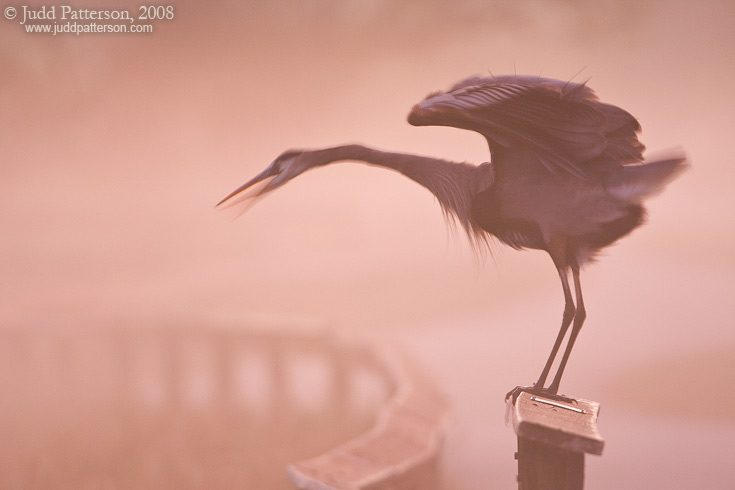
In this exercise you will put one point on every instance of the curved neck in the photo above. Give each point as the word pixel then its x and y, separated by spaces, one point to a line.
pixel 364 154
pixel 427 171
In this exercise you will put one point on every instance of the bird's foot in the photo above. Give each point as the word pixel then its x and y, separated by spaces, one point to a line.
pixel 542 392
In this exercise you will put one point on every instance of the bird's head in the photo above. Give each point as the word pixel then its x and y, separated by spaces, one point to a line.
pixel 284 168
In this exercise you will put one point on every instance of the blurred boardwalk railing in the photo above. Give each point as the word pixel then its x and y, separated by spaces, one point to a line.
pixel 402 449
pixel 211 407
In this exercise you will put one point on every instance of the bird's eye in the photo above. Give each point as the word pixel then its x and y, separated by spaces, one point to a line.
pixel 275 165
pixel 283 161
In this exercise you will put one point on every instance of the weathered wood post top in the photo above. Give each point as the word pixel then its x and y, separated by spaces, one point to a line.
pixel 553 436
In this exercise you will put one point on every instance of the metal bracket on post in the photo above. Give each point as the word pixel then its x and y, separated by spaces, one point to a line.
pixel 553 436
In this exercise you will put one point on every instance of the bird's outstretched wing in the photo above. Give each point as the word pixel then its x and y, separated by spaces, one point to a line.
pixel 562 122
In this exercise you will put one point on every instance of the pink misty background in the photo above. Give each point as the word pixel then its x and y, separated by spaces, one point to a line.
pixel 115 149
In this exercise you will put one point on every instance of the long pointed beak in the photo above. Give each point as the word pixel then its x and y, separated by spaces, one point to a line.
pixel 251 189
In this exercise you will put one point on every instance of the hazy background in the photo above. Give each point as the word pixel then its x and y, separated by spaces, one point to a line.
pixel 114 149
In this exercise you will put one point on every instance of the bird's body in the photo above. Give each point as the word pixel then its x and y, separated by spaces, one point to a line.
pixel 566 175
pixel 526 207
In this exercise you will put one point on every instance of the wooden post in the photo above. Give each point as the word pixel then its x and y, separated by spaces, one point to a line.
pixel 553 436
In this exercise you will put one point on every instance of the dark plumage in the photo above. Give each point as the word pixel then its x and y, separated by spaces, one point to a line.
pixel 566 175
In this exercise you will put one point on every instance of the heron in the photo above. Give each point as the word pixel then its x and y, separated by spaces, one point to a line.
pixel 566 175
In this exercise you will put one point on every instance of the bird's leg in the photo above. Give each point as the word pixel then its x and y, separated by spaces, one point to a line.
pixel 569 314
pixel 576 327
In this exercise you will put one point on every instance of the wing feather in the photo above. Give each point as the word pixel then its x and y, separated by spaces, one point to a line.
pixel 563 122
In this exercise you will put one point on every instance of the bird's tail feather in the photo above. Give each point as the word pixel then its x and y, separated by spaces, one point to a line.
pixel 636 182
